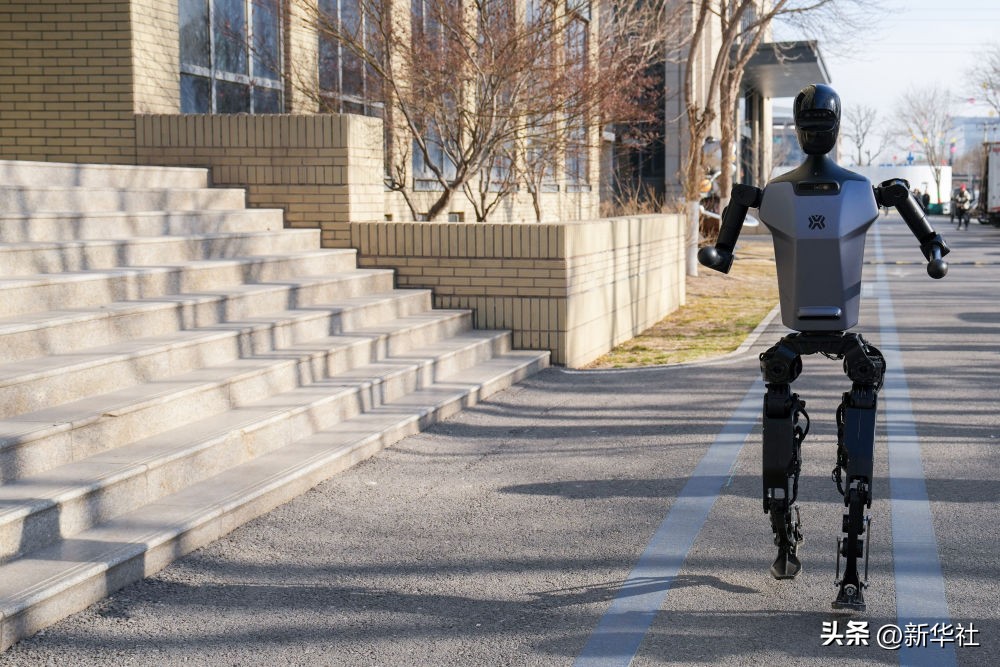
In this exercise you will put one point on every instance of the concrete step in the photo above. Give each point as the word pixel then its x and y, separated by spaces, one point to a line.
pixel 65 500
pixel 17 200
pixel 66 174
pixel 31 294
pixel 29 385
pixel 71 330
pixel 20 259
pixel 40 227
pixel 50 583
pixel 37 441
pixel 173 364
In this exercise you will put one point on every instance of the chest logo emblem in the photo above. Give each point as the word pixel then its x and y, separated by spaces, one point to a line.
pixel 817 222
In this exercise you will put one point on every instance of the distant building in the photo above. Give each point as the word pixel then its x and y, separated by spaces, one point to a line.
pixel 785 148
pixel 970 132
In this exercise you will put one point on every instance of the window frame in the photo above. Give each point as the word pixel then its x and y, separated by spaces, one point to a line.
pixel 335 100
pixel 577 159
pixel 423 24
pixel 252 80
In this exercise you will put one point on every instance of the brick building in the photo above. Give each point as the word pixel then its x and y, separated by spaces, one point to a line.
pixel 199 83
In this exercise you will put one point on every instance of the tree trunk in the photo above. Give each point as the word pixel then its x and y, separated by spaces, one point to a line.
pixel 693 236
pixel 536 204
pixel 727 131
pixel 725 180
pixel 440 205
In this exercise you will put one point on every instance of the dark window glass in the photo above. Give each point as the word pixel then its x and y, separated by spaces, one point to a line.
pixel 232 97
pixel 576 43
pixel 266 37
pixel 329 49
pixel 216 57
pixel 196 94
pixel 354 107
pixel 417 17
pixel 230 36
pixel 577 156
pixel 346 80
pixel 195 45
pixel 266 100
pixel 436 154
pixel 352 80
pixel 580 7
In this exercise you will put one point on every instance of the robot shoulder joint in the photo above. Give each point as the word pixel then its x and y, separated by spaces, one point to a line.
pixel 747 195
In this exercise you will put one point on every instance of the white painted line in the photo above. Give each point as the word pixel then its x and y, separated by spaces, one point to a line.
pixel 920 596
pixel 619 633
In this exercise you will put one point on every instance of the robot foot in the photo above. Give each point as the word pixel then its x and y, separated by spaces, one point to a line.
pixel 850 597
pixel 787 526
pixel 786 565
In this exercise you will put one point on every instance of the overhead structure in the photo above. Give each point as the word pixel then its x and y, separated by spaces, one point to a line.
pixel 777 69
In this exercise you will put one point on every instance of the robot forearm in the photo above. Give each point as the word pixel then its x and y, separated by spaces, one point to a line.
pixel 896 193
pixel 720 258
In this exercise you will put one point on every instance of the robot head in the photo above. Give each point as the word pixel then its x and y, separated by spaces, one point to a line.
pixel 817 118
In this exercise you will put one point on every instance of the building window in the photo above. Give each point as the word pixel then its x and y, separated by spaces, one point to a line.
pixel 231 56
pixel 347 84
pixel 424 177
pixel 577 47
pixel 428 21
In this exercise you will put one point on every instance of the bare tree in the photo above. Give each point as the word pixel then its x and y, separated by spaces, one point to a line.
pixel 497 182
pixel 925 118
pixel 986 75
pixel 742 27
pixel 463 84
pixel 537 166
pixel 859 126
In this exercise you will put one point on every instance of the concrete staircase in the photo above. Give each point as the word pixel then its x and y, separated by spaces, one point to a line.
pixel 173 365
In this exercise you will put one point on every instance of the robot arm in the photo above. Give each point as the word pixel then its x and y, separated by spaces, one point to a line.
pixel 896 193
pixel 720 257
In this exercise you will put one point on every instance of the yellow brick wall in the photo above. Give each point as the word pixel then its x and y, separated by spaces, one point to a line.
pixel 301 58
pixel 74 75
pixel 66 81
pixel 156 56
pixel 576 288
pixel 318 168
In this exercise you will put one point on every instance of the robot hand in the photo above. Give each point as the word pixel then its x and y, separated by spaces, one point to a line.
pixel 937 268
pixel 720 257
pixel 716 258
pixel 896 193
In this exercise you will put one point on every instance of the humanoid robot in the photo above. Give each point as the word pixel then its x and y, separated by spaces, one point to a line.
pixel 818 215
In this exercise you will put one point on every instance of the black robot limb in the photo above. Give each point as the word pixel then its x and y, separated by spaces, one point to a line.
pixel 896 193
pixel 854 474
pixel 783 433
pixel 742 199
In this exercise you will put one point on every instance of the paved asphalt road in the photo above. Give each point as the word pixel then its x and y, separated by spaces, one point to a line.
pixel 503 536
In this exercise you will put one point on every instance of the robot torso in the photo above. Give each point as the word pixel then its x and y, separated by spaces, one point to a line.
pixel 818 215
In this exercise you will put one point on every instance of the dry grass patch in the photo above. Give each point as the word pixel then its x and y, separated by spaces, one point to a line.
pixel 721 311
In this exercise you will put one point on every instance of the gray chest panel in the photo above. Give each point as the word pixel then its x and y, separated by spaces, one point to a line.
pixel 819 243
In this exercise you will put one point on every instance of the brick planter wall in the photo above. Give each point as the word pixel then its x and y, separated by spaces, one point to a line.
pixel 575 288
pixel 317 168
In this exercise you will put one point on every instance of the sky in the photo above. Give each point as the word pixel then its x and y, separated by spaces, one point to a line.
pixel 910 44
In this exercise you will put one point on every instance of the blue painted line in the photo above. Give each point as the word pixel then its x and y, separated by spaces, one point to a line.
pixel 920 596
pixel 617 637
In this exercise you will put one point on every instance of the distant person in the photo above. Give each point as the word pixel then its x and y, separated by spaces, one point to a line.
pixel 963 205
pixel 919 197
pixel 925 201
